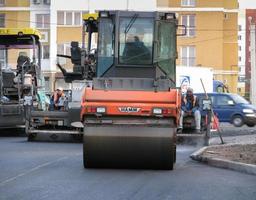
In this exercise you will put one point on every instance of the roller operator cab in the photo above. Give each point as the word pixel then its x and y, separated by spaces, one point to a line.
pixel 130 112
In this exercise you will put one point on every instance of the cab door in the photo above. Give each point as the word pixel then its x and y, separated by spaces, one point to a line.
pixel 165 48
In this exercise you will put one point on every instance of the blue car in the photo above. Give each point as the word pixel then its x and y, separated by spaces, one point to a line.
pixel 232 108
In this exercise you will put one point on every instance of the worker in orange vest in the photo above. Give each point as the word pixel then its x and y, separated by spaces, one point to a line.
pixel 190 106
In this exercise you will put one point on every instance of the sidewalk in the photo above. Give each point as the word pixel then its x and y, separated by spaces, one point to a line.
pixel 238 153
pixel 241 139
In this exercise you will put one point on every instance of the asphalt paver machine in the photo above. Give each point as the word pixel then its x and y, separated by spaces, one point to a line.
pixel 131 109
pixel 20 80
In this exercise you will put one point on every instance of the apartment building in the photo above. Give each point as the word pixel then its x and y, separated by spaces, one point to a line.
pixel 241 52
pixel 250 19
pixel 211 39
pixel 59 22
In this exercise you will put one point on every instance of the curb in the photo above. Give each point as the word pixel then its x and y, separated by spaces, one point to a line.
pixel 223 163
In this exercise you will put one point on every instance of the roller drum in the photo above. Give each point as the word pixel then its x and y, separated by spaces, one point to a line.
pixel 129 147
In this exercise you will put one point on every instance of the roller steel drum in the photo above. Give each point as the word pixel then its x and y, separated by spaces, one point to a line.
pixel 129 147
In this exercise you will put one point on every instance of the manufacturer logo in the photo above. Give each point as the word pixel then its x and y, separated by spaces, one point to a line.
pixel 129 109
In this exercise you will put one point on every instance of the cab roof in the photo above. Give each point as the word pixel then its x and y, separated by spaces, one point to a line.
pixel 90 16
pixel 18 38
pixel 17 31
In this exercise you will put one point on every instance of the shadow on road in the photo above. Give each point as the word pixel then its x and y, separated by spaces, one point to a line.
pixel 12 132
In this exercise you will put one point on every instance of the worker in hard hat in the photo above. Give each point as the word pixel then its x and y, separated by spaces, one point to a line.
pixel 57 99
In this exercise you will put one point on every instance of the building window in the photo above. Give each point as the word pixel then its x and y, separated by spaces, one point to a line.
pixel 2 20
pixel 68 50
pixel 69 18
pixel 241 79
pixel 189 22
pixel 60 49
pixel 226 16
pixel 64 48
pixel 240 58
pixel 188 2
pixel 42 21
pixel 239 27
pixel 2 2
pixel 78 18
pixel 239 37
pixel 188 56
pixel 60 18
pixel 240 48
pixel 2 58
pixel 47 2
pixel 45 52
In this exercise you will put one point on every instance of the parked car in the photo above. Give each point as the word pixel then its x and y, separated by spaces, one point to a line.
pixel 232 108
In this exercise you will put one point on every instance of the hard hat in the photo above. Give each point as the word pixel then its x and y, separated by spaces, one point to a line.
pixel 190 89
pixel 60 88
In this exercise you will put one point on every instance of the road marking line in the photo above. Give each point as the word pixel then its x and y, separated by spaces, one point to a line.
pixel 31 170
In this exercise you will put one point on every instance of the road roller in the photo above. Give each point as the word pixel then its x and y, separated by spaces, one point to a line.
pixel 131 109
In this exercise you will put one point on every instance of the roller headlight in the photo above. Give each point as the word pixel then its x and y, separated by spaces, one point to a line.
pixel 157 111
pixel 101 110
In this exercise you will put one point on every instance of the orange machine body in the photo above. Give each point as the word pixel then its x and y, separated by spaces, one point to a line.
pixel 131 103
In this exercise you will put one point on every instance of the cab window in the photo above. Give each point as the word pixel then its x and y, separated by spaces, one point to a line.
pixel 136 41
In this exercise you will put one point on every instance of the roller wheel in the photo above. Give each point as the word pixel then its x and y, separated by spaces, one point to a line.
pixel 84 157
pixel 174 154
pixel 105 147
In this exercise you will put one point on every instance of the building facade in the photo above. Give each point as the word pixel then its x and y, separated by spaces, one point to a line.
pixel 250 18
pixel 59 22
pixel 211 39
pixel 241 52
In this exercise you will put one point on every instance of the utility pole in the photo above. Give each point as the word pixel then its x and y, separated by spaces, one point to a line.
pixel 253 64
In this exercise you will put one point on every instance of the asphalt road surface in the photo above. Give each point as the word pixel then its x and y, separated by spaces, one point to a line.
pixel 43 170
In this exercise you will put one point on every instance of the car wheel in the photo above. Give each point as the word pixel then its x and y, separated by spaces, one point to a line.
pixel 237 121
pixel 250 125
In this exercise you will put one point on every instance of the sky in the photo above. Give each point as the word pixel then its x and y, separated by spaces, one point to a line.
pixel 247 4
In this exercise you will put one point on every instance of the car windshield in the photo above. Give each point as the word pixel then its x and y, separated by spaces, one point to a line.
pixel 238 99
